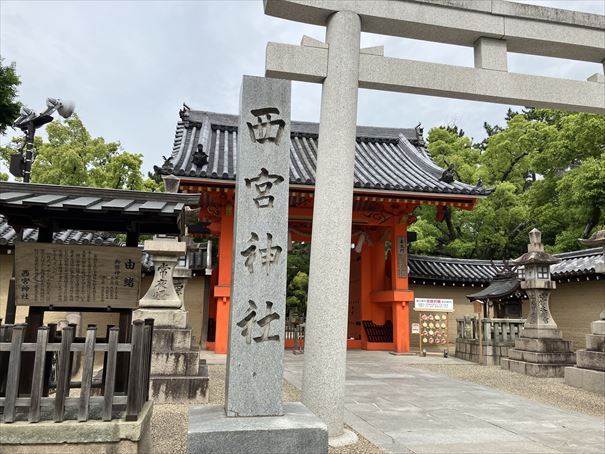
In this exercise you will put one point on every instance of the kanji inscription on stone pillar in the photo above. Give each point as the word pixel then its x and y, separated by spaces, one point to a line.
pixel 258 285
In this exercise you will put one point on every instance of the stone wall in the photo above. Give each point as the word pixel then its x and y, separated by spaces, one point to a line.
pixel 469 350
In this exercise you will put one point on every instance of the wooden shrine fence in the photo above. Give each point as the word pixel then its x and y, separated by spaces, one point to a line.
pixel 58 347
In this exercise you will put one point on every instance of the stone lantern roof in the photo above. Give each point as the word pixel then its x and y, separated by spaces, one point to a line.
pixel 535 254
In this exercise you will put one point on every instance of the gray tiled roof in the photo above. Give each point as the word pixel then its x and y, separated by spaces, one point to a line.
pixel 70 236
pixel 446 269
pixel 92 200
pixel 385 158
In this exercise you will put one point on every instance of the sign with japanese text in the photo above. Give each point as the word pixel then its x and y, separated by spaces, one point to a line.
pixel 434 304
pixel 76 276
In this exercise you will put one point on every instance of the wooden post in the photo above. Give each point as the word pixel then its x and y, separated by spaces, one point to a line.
pixel 110 372
pixel 63 372
pixel 87 365
pixel 134 370
pixel 123 357
pixel 38 374
pixel 148 322
pixel 14 368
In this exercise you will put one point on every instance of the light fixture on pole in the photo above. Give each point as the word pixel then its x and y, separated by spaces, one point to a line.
pixel 28 121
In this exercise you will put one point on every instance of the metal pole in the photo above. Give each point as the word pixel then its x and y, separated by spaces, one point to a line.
pixel 29 151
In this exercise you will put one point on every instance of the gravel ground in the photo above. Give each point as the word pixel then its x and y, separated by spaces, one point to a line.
pixel 169 421
pixel 552 391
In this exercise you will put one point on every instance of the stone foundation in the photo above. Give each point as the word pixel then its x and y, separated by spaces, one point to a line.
pixel 539 357
pixel 589 373
pixel 468 349
pixel 298 431
pixel 115 437
pixel 177 373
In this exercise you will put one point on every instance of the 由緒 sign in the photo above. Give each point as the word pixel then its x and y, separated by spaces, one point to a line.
pixel 72 275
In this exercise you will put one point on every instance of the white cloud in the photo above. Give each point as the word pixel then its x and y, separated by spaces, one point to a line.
pixel 130 65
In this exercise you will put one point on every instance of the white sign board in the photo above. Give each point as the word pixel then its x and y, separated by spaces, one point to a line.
pixel 415 328
pixel 434 304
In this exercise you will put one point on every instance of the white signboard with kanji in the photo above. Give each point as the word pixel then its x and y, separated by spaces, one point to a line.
pixel 434 304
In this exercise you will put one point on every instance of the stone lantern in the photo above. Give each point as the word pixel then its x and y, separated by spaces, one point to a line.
pixel 541 350
pixel 538 286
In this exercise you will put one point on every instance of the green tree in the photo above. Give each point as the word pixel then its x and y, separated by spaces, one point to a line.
pixel 72 157
pixel 298 277
pixel 9 106
pixel 547 169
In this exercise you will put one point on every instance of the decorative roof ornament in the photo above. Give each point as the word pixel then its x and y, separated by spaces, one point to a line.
pixel 166 168
pixel 184 113
pixel 449 174
pixel 199 158
pixel 420 135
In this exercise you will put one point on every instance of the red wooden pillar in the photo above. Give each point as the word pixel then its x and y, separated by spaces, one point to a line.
pixel 378 276
pixel 399 284
pixel 222 291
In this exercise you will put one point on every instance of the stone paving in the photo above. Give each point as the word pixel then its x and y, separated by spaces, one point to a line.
pixel 403 409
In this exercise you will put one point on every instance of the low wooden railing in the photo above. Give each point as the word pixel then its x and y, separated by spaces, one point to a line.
pixel 495 331
pixel 12 346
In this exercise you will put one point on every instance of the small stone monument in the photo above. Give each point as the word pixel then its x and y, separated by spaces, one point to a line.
pixel 177 374
pixel 254 419
pixel 589 372
pixel 541 350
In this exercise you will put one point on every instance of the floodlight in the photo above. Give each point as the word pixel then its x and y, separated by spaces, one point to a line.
pixel 65 108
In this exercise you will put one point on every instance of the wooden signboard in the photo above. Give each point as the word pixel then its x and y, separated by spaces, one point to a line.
pixel 77 276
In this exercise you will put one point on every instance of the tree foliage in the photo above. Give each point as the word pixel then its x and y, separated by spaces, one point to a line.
pixel 547 169
pixel 298 278
pixel 9 106
pixel 72 157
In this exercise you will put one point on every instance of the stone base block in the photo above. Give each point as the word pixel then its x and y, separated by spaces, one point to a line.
pixel 598 327
pixel 534 369
pixel 73 437
pixel 297 431
pixel 543 345
pixel 590 380
pixel 591 360
pixel 179 389
pixel 162 318
pixel 542 358
pixel 167 339
pixel 175 362
pixel 595 342
pixel 541 333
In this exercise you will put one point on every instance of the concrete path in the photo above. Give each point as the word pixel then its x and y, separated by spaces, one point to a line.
pixel 403 409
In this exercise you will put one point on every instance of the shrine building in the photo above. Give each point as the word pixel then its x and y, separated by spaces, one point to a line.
pixel 393 175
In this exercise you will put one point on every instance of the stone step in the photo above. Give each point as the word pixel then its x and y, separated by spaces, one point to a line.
pixel 595 342
pixel 543 345
pixel 165 339
pixel 590 380
pixel 179 389
pixel 534 369
pixel 591 360
pixel 175 363
pixel 568 358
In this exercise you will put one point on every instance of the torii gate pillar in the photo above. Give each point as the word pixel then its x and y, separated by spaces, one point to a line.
pixel 327 307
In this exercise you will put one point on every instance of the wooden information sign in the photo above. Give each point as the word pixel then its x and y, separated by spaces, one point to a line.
pixel 77 276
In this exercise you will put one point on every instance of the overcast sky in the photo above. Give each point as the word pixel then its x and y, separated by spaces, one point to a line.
pixel 129 66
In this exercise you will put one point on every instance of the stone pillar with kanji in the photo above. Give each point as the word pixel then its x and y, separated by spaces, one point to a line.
pixel 541 350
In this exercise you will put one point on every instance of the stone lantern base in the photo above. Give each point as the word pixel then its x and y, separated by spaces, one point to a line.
pixel 589 374
pixel 540 356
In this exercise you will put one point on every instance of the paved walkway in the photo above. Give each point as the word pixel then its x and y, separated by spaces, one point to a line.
pixel 403 409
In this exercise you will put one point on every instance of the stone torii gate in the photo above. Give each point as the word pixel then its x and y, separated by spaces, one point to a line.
pixel 492 28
